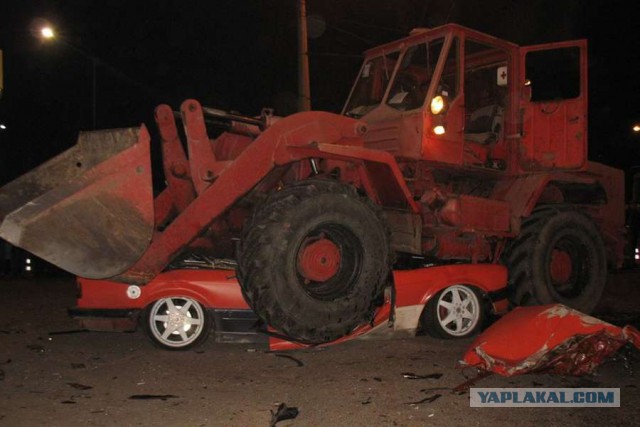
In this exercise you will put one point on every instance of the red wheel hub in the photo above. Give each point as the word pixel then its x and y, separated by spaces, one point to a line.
pixel 561 266
pixel 319 260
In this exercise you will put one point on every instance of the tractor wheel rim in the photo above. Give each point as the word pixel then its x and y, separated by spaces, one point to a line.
pixel 561 268
pixel 319 260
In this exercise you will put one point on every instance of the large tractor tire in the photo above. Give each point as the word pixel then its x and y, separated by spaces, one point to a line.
pixel 314 260
pixel 558 257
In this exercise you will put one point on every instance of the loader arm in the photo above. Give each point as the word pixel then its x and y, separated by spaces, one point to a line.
pixel 271 149
pixel 90 210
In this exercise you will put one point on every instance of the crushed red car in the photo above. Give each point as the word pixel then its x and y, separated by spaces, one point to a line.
pixel 179 309
pixel 547 339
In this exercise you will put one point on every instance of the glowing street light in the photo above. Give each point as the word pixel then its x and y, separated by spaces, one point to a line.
pixel 636 128
pixel 47 32
pixel 3 126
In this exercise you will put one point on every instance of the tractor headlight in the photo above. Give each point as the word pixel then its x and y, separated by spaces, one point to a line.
pixel 437 104
pixel 439 130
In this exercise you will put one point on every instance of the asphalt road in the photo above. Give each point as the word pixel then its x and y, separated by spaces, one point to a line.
pixel 89 378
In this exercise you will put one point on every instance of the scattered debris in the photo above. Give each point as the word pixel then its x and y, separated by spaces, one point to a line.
pixel 199 261
pixel 366 401
pixel 464 387
pixel 412 376
pixel 68 402
pixel 426 390
pixel 79 386
pixel 78 366
pixel 152 396
pixel 559 340
pixel 626 353
pixel 73 331
pixel 428 399
pixel 286 356
pixel 12 331
pixel 283 413
pixel 377 379
pixel 36 347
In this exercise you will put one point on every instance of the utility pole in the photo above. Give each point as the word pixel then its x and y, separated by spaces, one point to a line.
pixel 1 75
pixel 304 92
pixel 94 92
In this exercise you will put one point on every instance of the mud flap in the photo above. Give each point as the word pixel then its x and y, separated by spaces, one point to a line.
pixel 89 210
pixel 547 339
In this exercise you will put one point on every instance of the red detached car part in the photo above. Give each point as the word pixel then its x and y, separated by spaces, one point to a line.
pixel 179 307
pixel 550 339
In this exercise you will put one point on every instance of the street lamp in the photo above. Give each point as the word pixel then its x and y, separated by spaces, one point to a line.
pixel 3 126
pixel 47 32
pixel 636 128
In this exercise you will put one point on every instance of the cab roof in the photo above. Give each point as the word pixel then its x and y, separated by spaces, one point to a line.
pixel 419 34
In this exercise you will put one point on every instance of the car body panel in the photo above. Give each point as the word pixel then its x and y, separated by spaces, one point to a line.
pixel 111 306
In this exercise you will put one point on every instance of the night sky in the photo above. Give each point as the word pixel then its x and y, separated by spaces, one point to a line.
pixel 241 55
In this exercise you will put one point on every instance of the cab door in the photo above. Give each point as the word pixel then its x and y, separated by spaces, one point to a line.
pixel 553 106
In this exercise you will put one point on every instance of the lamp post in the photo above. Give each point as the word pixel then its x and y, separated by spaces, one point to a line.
pixel 48 33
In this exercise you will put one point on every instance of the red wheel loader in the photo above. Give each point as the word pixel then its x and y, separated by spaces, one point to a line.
pixel 453 146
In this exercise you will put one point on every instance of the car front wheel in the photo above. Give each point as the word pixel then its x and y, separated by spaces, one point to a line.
pixel 177 323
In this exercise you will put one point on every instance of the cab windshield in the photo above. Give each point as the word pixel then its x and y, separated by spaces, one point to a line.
pixel 413 78
pixel 411 81
pixel 371 84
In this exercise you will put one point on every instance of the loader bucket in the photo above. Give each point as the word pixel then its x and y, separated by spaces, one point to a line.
pixel 88 210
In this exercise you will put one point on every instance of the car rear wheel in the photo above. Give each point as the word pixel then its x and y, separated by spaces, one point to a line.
pixel 177 323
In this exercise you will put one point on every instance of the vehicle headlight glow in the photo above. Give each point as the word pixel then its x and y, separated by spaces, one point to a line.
pixel 437 104
pixel 439 130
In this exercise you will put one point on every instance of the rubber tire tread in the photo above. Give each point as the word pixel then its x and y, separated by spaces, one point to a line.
pixel 523 257
pixel 265 273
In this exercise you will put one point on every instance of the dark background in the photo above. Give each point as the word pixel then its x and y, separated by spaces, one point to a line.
pixel 241 55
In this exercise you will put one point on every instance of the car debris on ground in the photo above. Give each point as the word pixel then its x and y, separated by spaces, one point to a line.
pixel 547 339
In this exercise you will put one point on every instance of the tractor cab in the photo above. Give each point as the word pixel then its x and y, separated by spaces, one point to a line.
pixel 460 98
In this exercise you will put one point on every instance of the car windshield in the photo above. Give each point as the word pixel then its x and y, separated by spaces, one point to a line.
pixel 371 84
